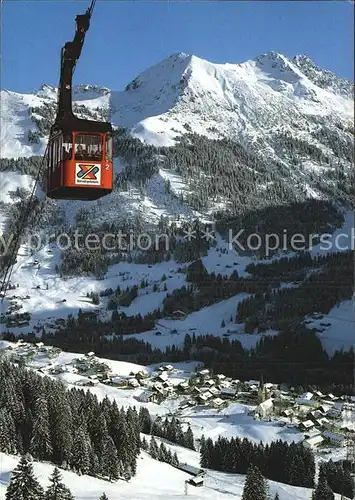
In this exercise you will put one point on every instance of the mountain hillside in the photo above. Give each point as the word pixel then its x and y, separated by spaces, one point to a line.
pixel 264 145
pixel 220 135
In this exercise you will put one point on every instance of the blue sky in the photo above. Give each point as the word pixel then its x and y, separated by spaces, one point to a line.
pixel 127 37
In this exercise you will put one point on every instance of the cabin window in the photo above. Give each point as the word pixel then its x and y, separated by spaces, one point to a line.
pixel 67 148
pixel 88 147
pixel 108 148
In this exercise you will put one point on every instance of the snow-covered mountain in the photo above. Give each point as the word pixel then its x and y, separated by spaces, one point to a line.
pixel 199 138
pixel 268 94
pixel 292 122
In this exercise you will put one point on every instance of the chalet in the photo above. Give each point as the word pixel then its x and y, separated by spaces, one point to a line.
pixel 141 375
pixel 147 397
pixel 196 481
pixel 306 401
pixel 319 394
pixel 307 424
pixel 214 391
pixel 332 397
pixel 169 368
pixel 210 383
pixel 313 442
pixel 307 395
pixel 324 408
pixel 133 382
pixel 158 388
pixel 287 413
pixel 228 392
pixel 119 381
pixel 250 383
pixel 190 469
pixel 183 386
pixel 217 402
pixel 185 404
pixel 178 315
pixel 202 398
pixel 334 438
pixel 265 409
pixel 323 422
pixel 162 377
pixel 56 370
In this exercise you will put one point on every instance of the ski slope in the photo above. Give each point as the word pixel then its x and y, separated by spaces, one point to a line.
pixel 154 481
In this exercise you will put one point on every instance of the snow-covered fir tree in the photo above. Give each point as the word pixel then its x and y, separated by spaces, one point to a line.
pixel 23 483
pixel 56 489
pixel 255 487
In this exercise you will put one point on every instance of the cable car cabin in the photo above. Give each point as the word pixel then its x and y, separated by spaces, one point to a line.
pixel 79 165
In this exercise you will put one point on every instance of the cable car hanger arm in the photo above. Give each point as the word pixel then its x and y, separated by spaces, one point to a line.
pixel 70 54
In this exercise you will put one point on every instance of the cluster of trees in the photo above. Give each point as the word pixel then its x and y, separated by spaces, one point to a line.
pixel 207 289
pixel 161 453
pixel 171 430
pixel 308 218
pixel 224 171
pixel 69 428
pixel 295 356
pixel 287 463
pixel 338 477
pixel 123 298
pixel 275 308
pixel 24 485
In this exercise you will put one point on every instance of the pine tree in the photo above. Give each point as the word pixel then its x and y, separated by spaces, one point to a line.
pixel 103 497
pixel 153 448
pixel 41 445
pixel 7 432
pixel 80 458
pixel 189 439
pixel 175 460
pixel 255 485
pixel 56 489
pixel 322 491
pixel 23 484
pixel 109 460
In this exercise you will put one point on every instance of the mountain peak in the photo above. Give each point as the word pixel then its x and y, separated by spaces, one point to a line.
pixel 323 78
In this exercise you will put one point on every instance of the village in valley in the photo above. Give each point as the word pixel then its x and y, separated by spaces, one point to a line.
pixel 322 422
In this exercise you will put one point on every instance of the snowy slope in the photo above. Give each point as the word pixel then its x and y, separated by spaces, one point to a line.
pixel 154 481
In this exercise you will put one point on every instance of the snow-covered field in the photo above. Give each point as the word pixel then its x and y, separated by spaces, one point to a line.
pixel 154 481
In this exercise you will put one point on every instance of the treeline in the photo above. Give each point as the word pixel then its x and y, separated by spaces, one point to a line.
pixel 69 428
pixel 286 463
pixel 295 356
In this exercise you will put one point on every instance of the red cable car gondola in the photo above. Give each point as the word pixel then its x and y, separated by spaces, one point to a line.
pixel 79 165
